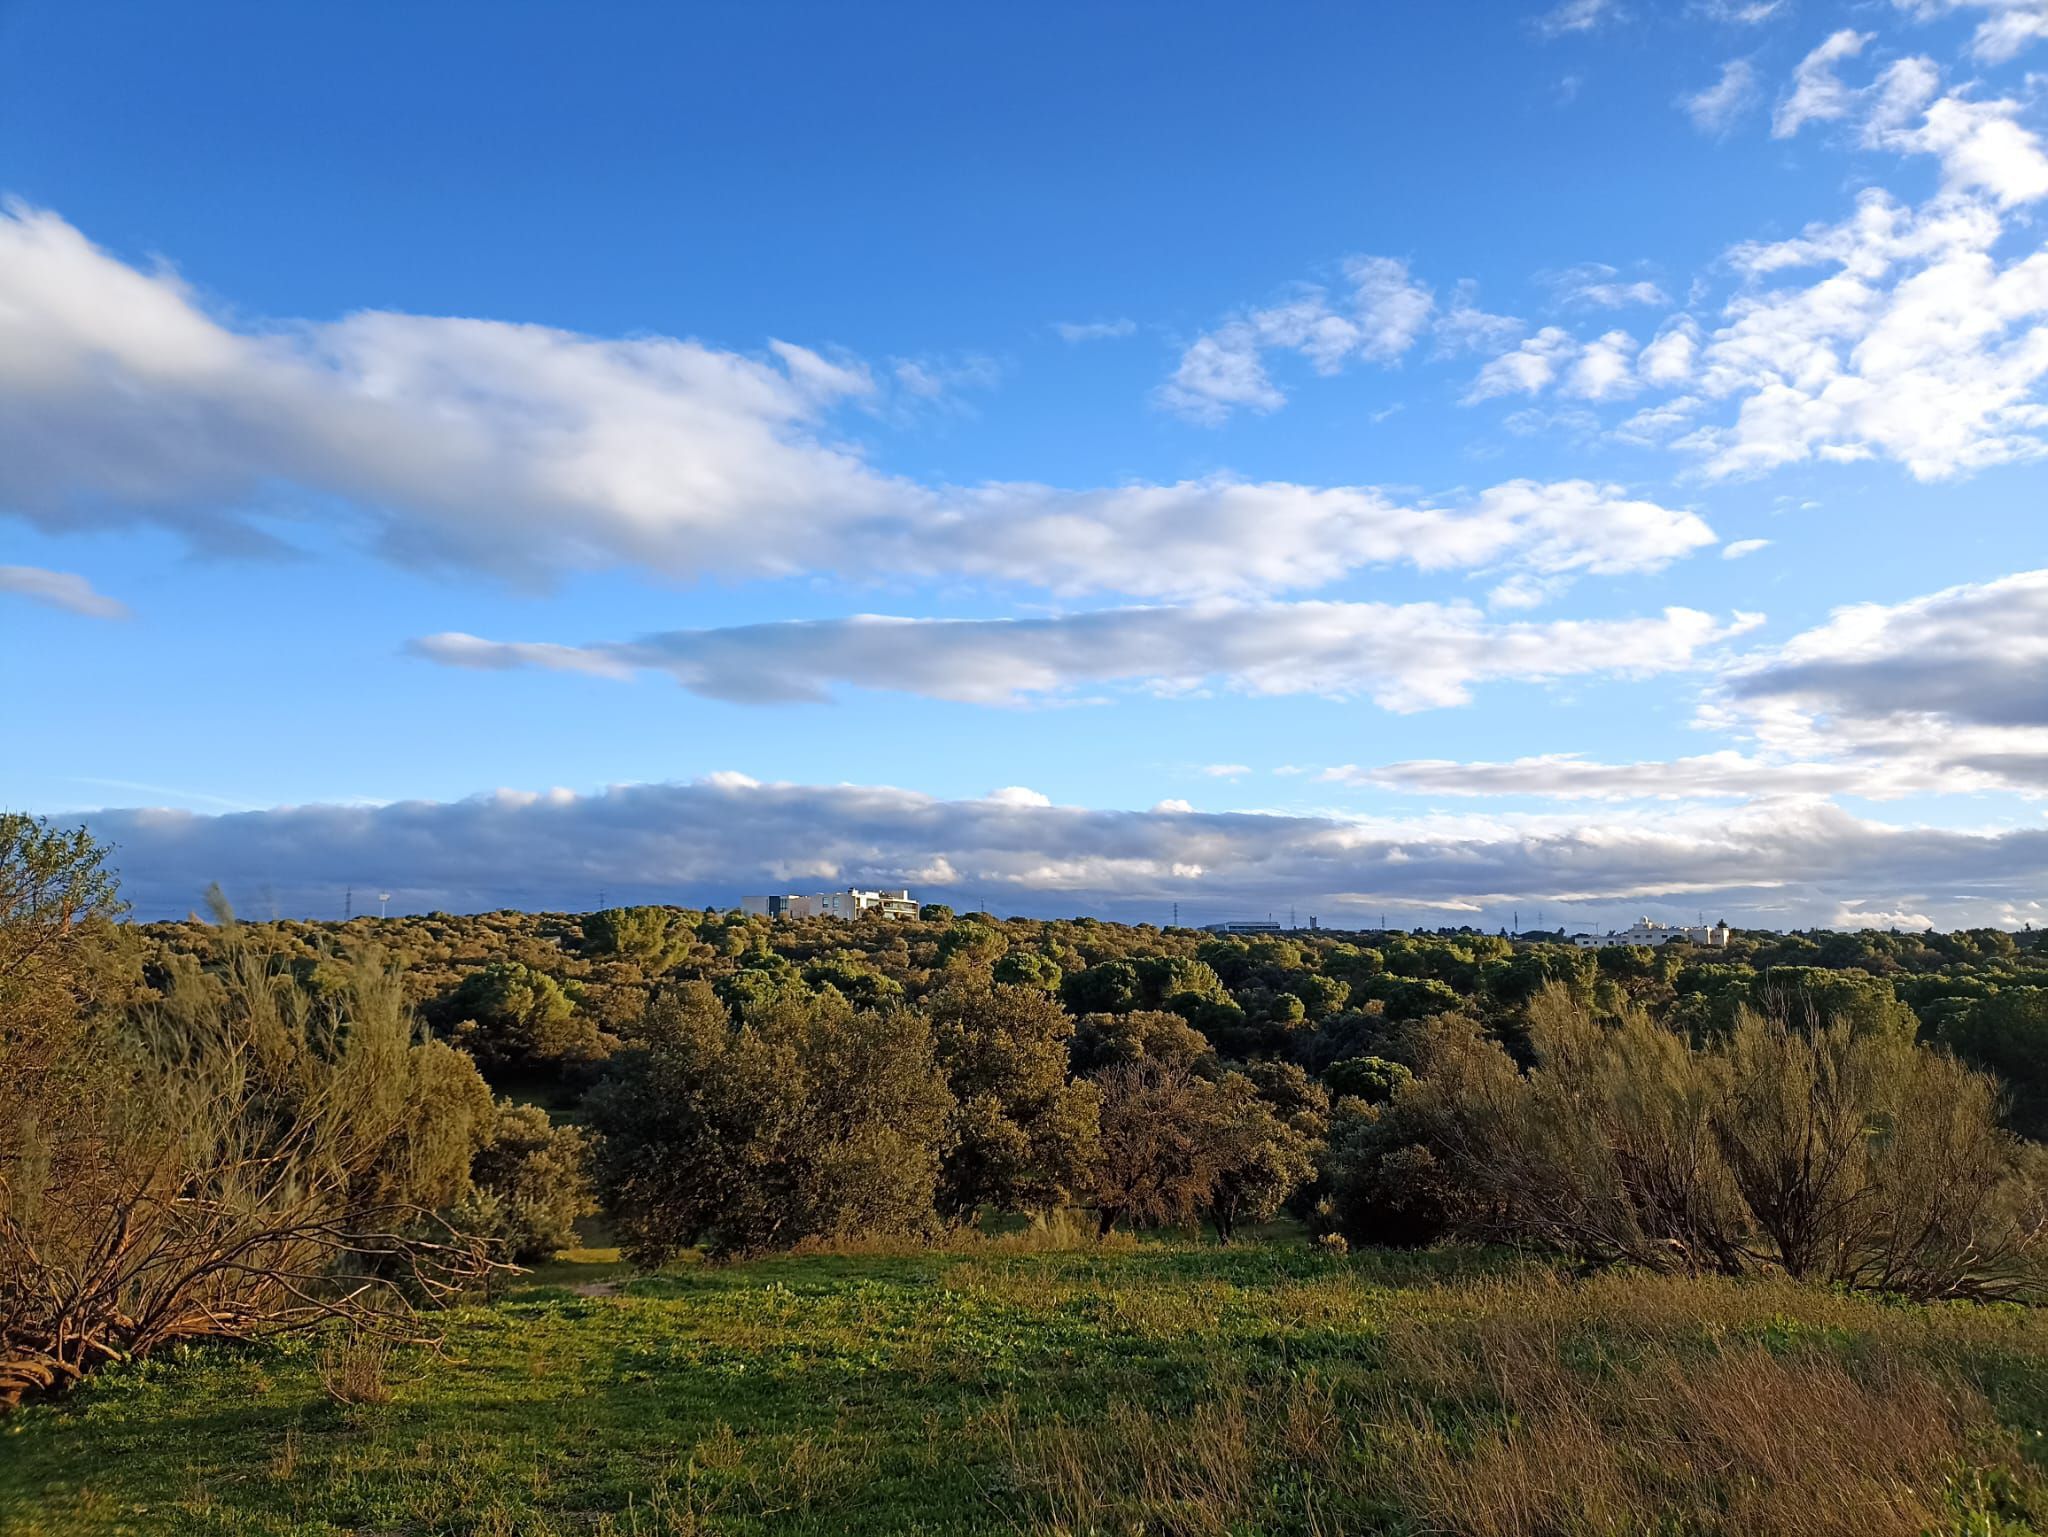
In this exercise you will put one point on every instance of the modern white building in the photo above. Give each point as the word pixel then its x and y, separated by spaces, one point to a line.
pixel 1645 932
pixel 775 907
pixel 844 905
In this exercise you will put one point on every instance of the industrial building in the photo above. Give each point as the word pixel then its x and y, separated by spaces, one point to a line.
pixel 844 905
pixel 1644 932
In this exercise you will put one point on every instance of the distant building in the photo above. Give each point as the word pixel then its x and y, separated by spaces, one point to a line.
pixel 844 905
pixel 1645 932
pixel 1246 926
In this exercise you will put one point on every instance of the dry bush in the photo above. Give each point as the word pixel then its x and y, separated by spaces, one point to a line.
pixel 354 1369
pixel 254 1159
pixel 1809 1147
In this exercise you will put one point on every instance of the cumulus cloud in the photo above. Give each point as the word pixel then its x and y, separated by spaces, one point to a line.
pixel 1528 370
pixel 2007 28
pixel 712 841
pixel 1719 106
pixel 1403 657
pixel 1464 326
pixel 1597 370
pixel 1968 657
pixel 1218 537
pixel 1376 319
pixel 528 452
pixel 1736 549
pixel 1980 144
pixel 1916 343
pixel 1817 94
pixel 1944 694
pixel 60 589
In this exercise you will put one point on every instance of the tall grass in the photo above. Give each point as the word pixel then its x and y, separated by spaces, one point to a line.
pixel 1531 1407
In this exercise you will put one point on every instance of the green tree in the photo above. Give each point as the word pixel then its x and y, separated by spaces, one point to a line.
pixel 1261 1156
pixel 2007 1034
pixel 1114 1040
pixel 1023 1134
pixel 1029 968
pixel 1374 1080
pixel 510 1016
pixel 971 944
pixel 654 937
pixel 1111 987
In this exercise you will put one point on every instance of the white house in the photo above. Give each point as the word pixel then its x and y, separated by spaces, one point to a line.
pixel 1645 932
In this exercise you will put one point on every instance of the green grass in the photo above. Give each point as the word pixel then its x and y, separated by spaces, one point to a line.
pixel 1165 1387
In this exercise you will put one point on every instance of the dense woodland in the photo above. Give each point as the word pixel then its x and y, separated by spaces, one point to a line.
pixel 211 1128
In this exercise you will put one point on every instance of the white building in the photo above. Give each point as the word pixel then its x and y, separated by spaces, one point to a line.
pixel 844 905
pixel 1645 932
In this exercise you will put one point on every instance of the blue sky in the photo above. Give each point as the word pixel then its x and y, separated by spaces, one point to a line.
pixel 1581 458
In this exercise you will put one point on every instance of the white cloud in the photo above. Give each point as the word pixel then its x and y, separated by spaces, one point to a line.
pixel 1817 94
pixel 1209 538
pixel 1719 106
pixel 1605 368
pixel 1941 695
pixel 1018 798
pixel 1920 346
pixel 1403 657
pixel 530 452
pixel 2008 27
pixel 1094 330
pixel 1601 369
pixel 1742 13
pixel 1659 423
pixel 1226 770
pixel 1572 776
pixel 1529 369
pixel 1463 326
pixel 1377 321
pixel 1577 16
pixel 1595 285
pixel 1795 862
pixel 1979 143
pixel 1738 548
pixel 1668 359
pixel 60 589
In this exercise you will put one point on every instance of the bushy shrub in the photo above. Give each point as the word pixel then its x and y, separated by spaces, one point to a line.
pixel 806 1120
pixel 529 1181
pixel 1831 1149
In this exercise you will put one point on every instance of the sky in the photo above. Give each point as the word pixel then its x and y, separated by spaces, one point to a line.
pixel 1511 463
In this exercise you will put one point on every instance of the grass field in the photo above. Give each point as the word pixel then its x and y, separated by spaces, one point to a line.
pixel 1159 1387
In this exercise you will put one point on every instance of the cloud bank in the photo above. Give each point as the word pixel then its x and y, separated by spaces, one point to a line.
pixel 720 838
